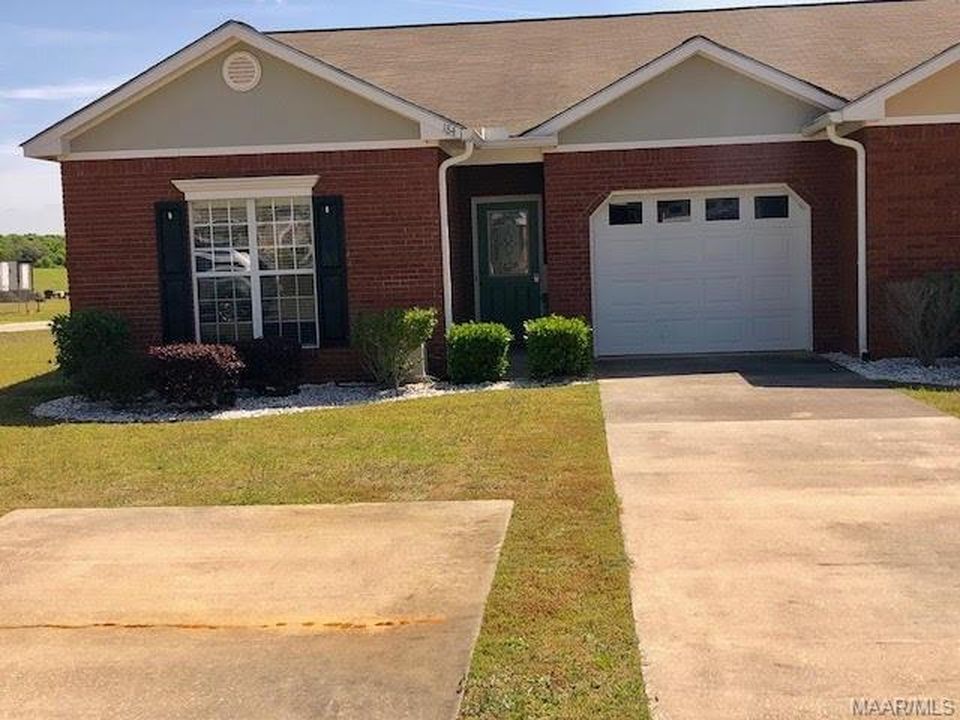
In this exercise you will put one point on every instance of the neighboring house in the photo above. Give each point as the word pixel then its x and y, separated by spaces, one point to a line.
pixel 688 181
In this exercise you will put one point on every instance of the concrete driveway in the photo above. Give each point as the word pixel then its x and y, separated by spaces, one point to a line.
pixel 363 612
pixel 795 534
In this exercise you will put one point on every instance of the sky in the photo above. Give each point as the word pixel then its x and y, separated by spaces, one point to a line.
pixel 58 55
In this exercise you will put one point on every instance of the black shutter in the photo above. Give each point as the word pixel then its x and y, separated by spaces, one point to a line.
pixel 173 253
pixel 331 269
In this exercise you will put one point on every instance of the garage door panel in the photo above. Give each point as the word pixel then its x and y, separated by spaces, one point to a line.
pixel 723 290
pixel 703 286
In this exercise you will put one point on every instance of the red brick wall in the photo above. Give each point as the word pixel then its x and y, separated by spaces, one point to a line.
pixel 391 215
pixel 467 182
pixel 913 211
pixel 821 173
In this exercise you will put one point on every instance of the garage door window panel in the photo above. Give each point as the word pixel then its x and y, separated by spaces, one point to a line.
pixel 673 211
pixel 629 213
pixel 722 209
pixel 767 207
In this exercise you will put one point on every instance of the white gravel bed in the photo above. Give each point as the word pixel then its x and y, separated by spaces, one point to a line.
pixel 310 397
pixel 902 370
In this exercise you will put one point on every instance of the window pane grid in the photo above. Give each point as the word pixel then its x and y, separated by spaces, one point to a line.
pixel 254 267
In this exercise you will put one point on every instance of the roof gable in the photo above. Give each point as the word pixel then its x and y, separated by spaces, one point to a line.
pixel 696 99
pixel 873 104
pixel 55 141
pixel 694 47
pixel 197 112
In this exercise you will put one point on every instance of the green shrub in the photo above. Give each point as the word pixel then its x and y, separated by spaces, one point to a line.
pixel 86 334
pixel 558 347
pixel 478 352
pixel 925 315
pixel 95 353
pixel 271 365
pixel 389 342
pixel 196 375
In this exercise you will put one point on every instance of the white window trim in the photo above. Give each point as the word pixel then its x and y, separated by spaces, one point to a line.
pixel 209 189
pixel 246 188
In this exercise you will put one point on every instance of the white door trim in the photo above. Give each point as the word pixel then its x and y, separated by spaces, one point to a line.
pixel 596 216
pixel 475 202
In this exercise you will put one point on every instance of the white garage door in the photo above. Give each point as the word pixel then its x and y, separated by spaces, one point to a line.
pixel 726 270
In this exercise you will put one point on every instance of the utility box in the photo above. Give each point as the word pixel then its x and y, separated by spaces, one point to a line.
pixel 16 276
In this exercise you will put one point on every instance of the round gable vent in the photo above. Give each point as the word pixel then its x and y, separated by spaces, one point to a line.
pixel 241 71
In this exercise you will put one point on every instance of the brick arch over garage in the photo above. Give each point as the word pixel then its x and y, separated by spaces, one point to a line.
pixel 575 184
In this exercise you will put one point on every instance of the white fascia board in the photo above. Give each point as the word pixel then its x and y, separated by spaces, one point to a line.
pixel 53 142
pixel 246 187
pixel 872 105
pixel 247 150
pixel 703 47
pixel 679 142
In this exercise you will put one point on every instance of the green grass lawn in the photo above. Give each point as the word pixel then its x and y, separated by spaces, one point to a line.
pixel 44 279
pixel 558 638
pixel 947 399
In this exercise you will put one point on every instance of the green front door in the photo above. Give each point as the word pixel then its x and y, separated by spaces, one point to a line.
pixel 508 261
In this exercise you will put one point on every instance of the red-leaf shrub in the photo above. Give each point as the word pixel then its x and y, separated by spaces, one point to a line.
pixel 271 365
pixel 194 374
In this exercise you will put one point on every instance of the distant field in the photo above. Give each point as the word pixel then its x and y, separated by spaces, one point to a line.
pixel 45 279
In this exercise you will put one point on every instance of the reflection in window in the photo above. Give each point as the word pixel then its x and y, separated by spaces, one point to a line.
pixel 630 213
pixel 771 206
pixel 508 242
pixel 723 209
pixel 232 268
pixel 670 211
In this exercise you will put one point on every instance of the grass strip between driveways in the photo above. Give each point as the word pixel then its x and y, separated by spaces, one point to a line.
pixel 558 637
pixel 945 399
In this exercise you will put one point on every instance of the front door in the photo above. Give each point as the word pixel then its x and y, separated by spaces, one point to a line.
pixel 508 261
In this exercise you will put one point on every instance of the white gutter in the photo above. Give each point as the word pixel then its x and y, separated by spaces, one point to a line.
pixel 445 233
pixel 861 151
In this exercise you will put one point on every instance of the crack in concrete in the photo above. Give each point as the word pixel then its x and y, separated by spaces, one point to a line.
pixel 381 624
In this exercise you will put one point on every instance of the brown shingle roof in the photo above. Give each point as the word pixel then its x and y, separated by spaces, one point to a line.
pixel 520 73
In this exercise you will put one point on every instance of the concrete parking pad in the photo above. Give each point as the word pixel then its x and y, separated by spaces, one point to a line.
pixel 795 534
pixel 351 611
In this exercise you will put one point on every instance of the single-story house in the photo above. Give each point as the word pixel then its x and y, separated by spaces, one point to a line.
pixel 700 181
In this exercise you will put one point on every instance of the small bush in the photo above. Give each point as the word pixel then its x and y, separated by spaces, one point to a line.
pixel 477 352
pixel 271 365
pixel 87 334
pixel 95 353
pixel 925 315
pixel 389 342
pixel 558 347
pixel 196 375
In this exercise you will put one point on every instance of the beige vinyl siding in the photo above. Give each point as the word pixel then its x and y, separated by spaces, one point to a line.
pixel 939 94
pixel 697 99
pixel 289 106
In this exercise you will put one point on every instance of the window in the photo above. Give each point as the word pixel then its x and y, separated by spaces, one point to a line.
pixel 630 213
pixel 727 208
pixel 670 211
pixel 771 206
pixel 254 268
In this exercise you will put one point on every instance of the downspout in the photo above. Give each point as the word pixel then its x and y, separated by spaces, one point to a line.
pixel 445 233
pixel 861 151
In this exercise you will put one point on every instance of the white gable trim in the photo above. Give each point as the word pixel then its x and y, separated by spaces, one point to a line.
pixel 54 142
pixel 697 46
pixel 249 150
pixel 873 104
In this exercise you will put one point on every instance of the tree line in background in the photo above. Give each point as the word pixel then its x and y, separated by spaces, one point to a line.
pixel 44 251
